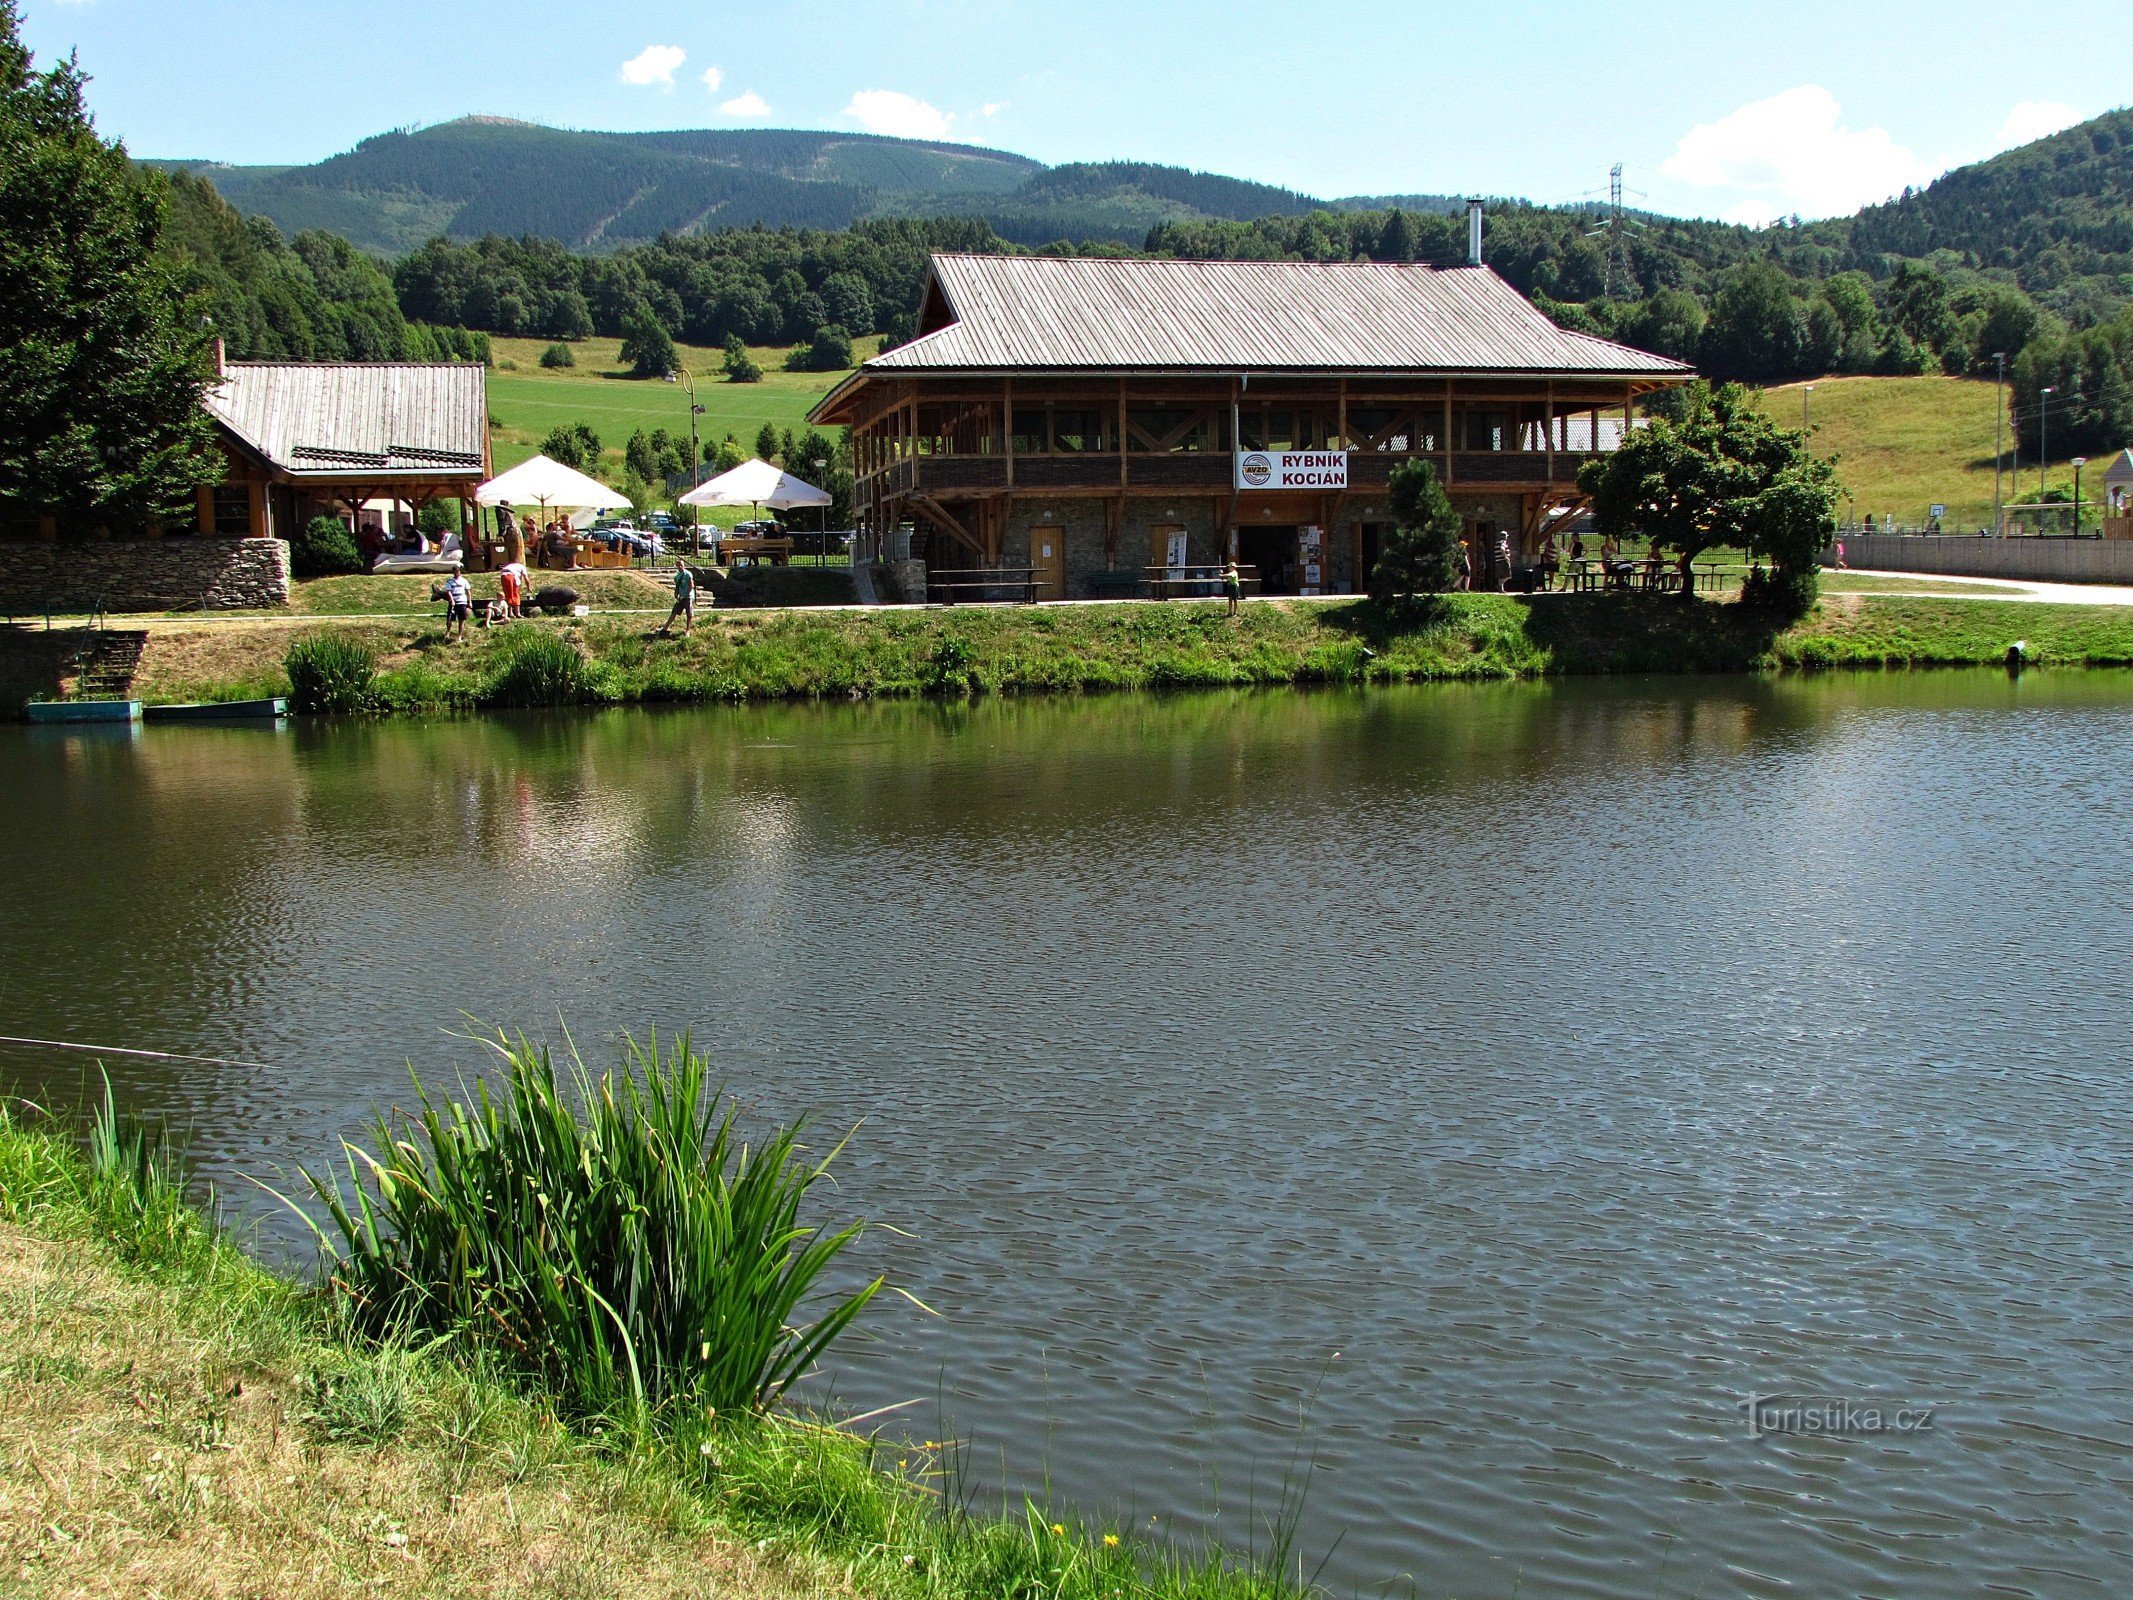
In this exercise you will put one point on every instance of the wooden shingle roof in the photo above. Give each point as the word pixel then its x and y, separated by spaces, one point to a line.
pixel 411 419
pixel 1034 313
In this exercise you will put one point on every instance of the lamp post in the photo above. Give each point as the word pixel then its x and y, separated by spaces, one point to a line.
pixel 2079 463
pixel 2044 434
pixel 1999 438
pixel 1807 420
pixel 688 380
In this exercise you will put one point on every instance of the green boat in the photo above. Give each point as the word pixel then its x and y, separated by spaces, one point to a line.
pixel 85 710
pixel 219 711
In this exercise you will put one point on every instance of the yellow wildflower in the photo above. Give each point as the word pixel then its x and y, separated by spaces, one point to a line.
pixel 1111 1539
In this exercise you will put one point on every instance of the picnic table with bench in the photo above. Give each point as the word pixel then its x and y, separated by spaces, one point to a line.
pixel 981 583
pixel 755 551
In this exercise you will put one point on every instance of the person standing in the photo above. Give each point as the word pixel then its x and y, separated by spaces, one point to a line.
pixel 458 604
pixel 1233 585
pixel 684 600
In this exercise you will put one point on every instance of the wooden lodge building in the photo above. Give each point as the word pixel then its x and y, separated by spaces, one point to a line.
pixel 1094 418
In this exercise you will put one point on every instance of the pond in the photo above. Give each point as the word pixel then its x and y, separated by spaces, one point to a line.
pixel 1434 1114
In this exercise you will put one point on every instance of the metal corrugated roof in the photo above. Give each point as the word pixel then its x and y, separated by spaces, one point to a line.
pixel 333 418
pixel 1018 313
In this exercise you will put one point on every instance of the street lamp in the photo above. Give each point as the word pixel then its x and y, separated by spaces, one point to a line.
pixel 2044 433
pixel 1806 413
pixel 688 381
pixel 2079 463
pixel 1999 439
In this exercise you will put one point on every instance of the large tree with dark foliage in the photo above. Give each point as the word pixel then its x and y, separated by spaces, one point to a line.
pixel 102 361
pixel 1722 474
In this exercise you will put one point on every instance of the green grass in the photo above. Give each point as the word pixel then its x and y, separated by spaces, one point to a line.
pixel 527 399
pixel 1905 445
pixel 769 654
pixel 199 1424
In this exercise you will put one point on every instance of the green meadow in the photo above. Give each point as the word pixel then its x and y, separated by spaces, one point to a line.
pixel 526 400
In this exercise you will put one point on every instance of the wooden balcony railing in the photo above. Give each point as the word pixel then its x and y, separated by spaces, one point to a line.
pixel 1208 472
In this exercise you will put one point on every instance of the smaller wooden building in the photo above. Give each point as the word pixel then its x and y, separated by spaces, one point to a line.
pixel 309 438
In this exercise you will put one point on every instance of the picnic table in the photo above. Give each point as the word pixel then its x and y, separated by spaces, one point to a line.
pixel 978 583
pixel 755 551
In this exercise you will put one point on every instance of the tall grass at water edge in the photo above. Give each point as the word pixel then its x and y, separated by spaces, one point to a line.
pixel 609 1236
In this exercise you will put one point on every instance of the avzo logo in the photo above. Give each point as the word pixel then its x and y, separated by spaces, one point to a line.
pixel 1833 1417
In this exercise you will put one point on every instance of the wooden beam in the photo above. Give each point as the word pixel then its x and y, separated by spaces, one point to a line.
pixel 942 519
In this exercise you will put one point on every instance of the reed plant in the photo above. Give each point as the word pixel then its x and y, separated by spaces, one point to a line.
pixel 611 1237
pixel 330 671
pixel 538 668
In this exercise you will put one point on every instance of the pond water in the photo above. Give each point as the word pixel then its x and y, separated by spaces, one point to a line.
pixel 1456 1101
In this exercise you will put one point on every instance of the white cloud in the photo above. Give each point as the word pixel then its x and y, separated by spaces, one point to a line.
pixel 992 108
pixel 2033 120
pixel 750 104
pixel 713 77
pixel 1792 155
pixel 899 115
pixel 655 63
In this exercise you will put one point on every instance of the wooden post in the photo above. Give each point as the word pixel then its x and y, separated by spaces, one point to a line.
pixel 1007 411
pixel 1122 434
pixel 1447 430
pixel 257 509
pixel 1341 414
pixel 207 509
pixel 1548 422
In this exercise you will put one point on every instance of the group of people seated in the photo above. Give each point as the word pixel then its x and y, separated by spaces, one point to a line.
pixel 553 545
pixel 1552 559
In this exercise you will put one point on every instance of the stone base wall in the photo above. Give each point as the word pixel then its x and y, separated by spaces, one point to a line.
pixel 1958 555
pixel 168 574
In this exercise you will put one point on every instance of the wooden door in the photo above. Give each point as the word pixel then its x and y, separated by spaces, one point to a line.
pixel 1047 553
pixel 1166 544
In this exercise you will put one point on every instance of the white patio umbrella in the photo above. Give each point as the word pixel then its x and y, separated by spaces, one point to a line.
pixel 546 483
pixel 757 483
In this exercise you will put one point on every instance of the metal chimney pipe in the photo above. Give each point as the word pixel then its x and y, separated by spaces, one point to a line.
pixel 1473 233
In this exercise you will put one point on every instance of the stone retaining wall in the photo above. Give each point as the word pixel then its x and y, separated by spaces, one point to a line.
pixel 1969 556
pixel 168 574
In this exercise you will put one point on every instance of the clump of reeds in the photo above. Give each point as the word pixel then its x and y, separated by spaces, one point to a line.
pixel 609 1236
pixel 538 668
pixel 329 671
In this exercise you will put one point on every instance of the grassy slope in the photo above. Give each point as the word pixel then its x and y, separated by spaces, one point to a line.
pixel 530 400
pixel 1906 444
pixel 799 654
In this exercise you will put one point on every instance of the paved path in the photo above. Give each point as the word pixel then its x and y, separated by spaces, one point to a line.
pixel 2058 594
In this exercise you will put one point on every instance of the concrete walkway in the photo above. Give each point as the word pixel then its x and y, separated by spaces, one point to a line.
pixel 2058 594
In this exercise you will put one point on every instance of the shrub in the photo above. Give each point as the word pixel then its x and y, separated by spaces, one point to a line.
pixel 829 351
pixel 331 672
pixel 559 355
pixel 324 548
pixel 610 1236
pixel 540 669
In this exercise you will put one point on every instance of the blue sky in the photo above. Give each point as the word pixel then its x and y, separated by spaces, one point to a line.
pixel 1741 111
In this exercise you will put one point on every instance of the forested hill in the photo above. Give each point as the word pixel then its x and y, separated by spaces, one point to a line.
pixel 2055 212
pixel 605 191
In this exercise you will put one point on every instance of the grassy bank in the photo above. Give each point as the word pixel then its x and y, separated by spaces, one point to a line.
pixel 177 1420
pixel 798 654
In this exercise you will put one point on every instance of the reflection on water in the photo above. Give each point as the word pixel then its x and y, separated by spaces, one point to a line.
pixel 1477 1093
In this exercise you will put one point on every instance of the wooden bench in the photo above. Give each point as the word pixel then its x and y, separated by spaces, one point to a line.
pixel 974 583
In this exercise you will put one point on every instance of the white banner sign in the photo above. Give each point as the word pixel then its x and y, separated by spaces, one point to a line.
pixel 1292 469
